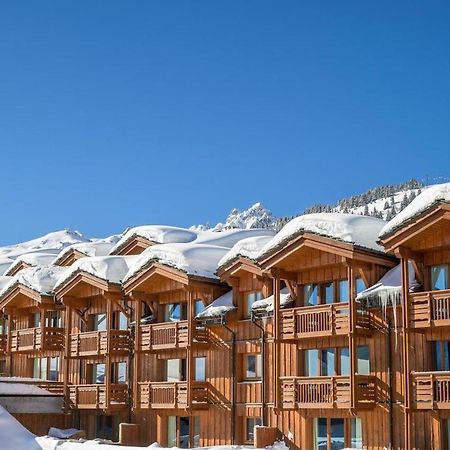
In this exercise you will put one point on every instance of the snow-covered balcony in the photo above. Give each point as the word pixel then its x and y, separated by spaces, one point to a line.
pixel 327 392
pixel 98 343
pixel 429 309
pixel 164 336
pixel 172 395
pixel 36 339
pixel 98 396
pixel 430 390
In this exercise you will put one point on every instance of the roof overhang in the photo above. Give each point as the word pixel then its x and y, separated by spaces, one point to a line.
pixel 343 250
pixel 416 226
pixel 238 267
pixel 13 270
pixel 69 258
pixel 134 245
pixel 21 297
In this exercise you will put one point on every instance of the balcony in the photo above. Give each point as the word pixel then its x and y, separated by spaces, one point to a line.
pixel 431 390
pixel 94 396
pixel 319 321
pixel 429 309
pixel 96 343
pixel 327 392
pixel 164 336
pixel 172 395
pixel 36 339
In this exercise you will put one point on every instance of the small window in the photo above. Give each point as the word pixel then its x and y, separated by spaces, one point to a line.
pixel 175 369
pixel 251 298
pixel 360 286
pixel 196 424
pixel 311 363
pixel 327 362
pixel 363 359
pixel 311 294
pixel 36 320
pixel 99 322
pixel 200 369
pixel 119 372
pixel 54 369
pixel 327 294
pixel 53 319
pixel 253 366
pixel 356 433
pixel 344 361
pixel 250 424
pixel 175 312
pixel 199 306
pixel 441 351
pixel 98 373
pixel 343 290
pixel 120 321
pixel 439 277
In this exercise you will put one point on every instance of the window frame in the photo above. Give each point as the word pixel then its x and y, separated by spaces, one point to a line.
pixel 258 367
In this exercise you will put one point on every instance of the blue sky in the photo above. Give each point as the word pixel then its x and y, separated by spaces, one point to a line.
pixel 117 113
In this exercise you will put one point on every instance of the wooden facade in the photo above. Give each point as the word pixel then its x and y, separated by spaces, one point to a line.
pixel 314 363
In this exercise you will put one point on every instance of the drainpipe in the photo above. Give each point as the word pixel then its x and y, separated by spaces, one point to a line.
pixel 263 370
pixel 233 383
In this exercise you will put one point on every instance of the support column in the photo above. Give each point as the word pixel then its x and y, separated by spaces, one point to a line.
pixel 276 339
pixel 68 324
pixel 137 353
pixel 352 329
pixel 190 358
pixel 109 327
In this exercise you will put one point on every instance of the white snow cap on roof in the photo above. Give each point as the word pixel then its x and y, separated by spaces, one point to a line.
pixel 389 287
pixel 430 196
pixel 218 307
pixel 248 248
pixel 229 238
pixel 267 303
pixel 109 268
pixel 11 388
pixel 194 259
pixel 160 234
pixel 358 230
pixel 5 264
pixel 32 259
pixel 41 279
pixel 96 248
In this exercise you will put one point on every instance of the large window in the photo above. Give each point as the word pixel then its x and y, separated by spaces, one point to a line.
pixel 98 373
pixel 200 368
pixel 253 366
pixel 360 286
pixel 250 424
pixel 53 319
pixel 175 369
pixel 311 294
pixel 326 362
pixel 363 355
pixel 183 432
pixel 337 433
pixel 439 277
pixel 250 298
pixel 119 372
pixel 199 306
pixel 441 352
pixel 46 368
pixel 175 311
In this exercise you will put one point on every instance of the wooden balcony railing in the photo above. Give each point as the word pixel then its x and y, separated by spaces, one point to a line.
pixel 429 309
pixel 319 321
pixel 327 392
pixel 95 343
pixel 164 335
pixel 94 396
pixel 431 390
pixel 172 394
pixel 36 339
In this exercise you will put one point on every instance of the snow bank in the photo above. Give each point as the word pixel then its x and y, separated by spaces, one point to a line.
pixel 388 290
pixel 429 197
pixel 109 268
pixel 266 304
pixel 159 234
pixel 219 307
pixel 13 435
pixel 247 248
pixel 32 259
pixel 361 231
pixel 96 248
pixel 192 258
pixel 41 279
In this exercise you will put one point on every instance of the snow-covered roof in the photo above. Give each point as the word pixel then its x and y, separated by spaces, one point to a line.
pixel 267 303
pixel 388 290
pixel 41 279
pixel 219 307
pixel 108 268
pixel 247 248
pixel 5 264
pixel 32 259
pixel 160 234
pixel 439 193
pixel 192 258
pixel 15 388
pixel 96 248
pixel 228 238
pixel 15 434
pixel 361 231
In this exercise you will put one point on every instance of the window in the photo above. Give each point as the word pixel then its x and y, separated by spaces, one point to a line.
pixel 326 362
pixel 337 433
pixel 311 294
pixel 311 363
pixel 196 420
pixel 175 370
pixel 360 286
pixel 327 293
pixel 250 424
pixel 200 369
pixel 120 321
pixel 439 277
pixel 3 325
pixel 46 368
pixel 104 426
pixel 53 319
pixel 183 432
pixel 251 298
pixel 119 372
pixel 98 322
pixel 199 306
pixel 172 431
pixel 175 312
pixel 54 369
pixel 343 290
pixel 253 367
pixel 98 373
pixel 345 360
pixel 36 320
pixel 363 355
pixel 441 352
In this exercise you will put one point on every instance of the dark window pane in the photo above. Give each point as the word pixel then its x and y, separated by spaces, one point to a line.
pixel 184 432
pixel 311 297
pixel 337 434
pixel 328 293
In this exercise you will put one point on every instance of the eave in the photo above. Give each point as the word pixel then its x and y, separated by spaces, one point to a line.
pixel 238 265
pixel 133 246
pixel 17 268
pixel 20 291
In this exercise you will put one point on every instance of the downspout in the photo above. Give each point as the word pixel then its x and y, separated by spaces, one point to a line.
pixel 263 370
pixel 233 382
